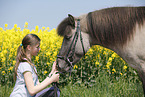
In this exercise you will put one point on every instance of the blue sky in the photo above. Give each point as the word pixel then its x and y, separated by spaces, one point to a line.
pixel 49 13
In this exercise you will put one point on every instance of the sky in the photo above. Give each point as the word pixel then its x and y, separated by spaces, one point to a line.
pixel 49 13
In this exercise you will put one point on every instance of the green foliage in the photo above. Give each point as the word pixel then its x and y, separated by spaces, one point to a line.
pixel 94 63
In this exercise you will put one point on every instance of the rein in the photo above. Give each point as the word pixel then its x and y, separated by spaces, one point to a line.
pixel 66 58
pixel 72 50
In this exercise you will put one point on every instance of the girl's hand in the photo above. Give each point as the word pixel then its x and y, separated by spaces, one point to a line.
pixel 53 67
pixel 55 76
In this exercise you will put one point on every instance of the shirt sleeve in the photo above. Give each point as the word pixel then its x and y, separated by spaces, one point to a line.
pixel 24 66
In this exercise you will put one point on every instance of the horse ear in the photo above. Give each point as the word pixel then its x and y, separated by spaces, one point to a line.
pixel 71 20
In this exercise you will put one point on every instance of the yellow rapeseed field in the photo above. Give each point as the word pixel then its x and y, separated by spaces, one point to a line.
pixel 10 39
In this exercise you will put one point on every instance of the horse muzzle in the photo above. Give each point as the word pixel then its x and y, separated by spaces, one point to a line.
pixel 63 64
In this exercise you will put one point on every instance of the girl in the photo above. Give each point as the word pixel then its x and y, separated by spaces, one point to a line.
pixel 27 83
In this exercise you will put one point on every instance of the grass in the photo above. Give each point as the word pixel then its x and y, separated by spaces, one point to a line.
pixel 5 91
pixel 105 88
pixel 102 88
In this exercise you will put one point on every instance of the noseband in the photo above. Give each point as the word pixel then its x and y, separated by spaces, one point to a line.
pixel 72 50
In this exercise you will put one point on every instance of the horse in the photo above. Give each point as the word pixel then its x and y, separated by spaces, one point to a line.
pixel 120 29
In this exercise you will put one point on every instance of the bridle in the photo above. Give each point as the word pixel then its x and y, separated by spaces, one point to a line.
pixel 71 49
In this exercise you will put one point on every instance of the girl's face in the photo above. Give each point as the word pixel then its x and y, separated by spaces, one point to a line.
pixel 35 49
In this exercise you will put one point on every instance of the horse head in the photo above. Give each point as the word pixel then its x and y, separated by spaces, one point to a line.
pixel 75 43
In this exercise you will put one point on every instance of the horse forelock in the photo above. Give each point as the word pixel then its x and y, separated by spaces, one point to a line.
pixel 114 25
pixel 64 27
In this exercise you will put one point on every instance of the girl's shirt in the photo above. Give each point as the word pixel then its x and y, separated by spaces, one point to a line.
pixel 20 89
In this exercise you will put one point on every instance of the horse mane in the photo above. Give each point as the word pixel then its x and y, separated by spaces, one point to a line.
pixel 115 25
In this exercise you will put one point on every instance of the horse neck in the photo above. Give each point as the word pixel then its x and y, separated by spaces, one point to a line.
pixel 113 47
pixel 93 41
pixel 84 29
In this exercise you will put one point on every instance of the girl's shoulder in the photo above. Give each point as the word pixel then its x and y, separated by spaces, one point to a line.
pixel 24 63
pixel 24 66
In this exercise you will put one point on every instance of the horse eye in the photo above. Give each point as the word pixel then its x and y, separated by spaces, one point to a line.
pixel 67 37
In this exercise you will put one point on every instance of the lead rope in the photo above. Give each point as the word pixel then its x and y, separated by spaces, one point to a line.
pixel 55 89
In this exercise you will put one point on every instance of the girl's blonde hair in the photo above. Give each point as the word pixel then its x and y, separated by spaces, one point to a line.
pixel 29 39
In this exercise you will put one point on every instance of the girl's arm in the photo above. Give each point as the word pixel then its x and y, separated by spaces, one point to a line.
pixel 35 89
pixel 52 71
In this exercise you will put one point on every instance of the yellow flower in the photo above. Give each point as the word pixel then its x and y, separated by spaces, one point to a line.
pixel 1 28
pixel 125 67
pixel 108 66
pixel 6 25
pixel 43 28
pixel 3 72
pixel 55 54
pixel 110 59
pixel 48 63
pixel 47 28
pixel 75 66
pixel 15 25
pixel 11 68
pixel 48 53
pixel 109 63
pixel 113 70
pixel 113 55
pixel 26 23
pixel 5 51
pixel 98 56
pixel 104 53
pixel 121 74
pixel 45 72
pixel 97 63
pixel 3 59
pixel 18 28
pixel 36 58
pixel 36 28
pixel 14 62
pixel 91 50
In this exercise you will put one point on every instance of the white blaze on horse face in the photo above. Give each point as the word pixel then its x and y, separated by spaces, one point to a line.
pixel 134 50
